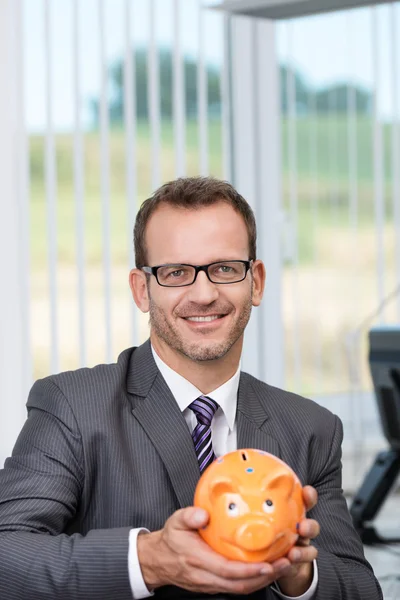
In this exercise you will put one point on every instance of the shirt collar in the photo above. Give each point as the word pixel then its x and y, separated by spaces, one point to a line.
pixel 185 392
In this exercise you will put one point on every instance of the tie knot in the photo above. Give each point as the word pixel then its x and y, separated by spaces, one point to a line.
pixel 204 408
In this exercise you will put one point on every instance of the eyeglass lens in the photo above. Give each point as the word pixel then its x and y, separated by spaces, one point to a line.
pixel 222 272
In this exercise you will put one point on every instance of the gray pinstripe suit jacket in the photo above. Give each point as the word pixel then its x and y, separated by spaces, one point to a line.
pixel 107 449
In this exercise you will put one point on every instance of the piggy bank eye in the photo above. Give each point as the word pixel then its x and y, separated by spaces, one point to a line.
pixel 268 506
pixel 233 509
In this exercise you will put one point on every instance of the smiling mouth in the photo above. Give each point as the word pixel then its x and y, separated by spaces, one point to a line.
pixel 207 319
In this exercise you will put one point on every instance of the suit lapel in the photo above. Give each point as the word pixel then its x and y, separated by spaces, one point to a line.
pixel 254 424
pixel 155 408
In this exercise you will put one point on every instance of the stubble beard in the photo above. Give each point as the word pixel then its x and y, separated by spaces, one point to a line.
pixel 164 329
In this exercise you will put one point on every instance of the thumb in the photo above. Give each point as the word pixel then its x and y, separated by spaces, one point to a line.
pixel 191 518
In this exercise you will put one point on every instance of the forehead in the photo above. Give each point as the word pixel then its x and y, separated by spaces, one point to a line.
pixel 197 236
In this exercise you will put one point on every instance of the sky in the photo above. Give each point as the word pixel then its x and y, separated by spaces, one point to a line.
pixel 325 48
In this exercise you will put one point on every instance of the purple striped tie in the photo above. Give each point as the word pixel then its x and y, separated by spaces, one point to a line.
pixel 204 408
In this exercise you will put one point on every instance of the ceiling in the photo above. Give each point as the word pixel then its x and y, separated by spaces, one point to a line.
pixel 285 9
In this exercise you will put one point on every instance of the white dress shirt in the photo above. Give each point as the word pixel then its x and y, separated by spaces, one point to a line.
pixel 223 432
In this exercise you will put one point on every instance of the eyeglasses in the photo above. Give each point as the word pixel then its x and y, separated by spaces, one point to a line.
pixel 180 275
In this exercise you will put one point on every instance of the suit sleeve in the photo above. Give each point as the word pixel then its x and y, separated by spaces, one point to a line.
pixel 343 572
pixel 40 491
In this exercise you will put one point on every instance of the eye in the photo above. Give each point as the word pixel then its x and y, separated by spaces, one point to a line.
pixel 233 509
pixel 177 273
pixel 268 506
pixel 226 269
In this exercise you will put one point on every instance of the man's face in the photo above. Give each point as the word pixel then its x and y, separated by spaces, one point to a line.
pixel 198 237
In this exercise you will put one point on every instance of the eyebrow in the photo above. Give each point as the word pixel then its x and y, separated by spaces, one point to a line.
pixel 185 262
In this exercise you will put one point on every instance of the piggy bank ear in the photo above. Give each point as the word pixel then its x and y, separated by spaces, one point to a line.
pixel 221 486
pixel 283 482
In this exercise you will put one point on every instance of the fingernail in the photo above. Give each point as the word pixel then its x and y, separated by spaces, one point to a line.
pixel 296 554
pixel 264 571
pixel 199 517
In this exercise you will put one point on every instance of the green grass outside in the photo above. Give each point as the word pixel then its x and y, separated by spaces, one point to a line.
pixel 118 202
pixel 325 192
pixel 331 134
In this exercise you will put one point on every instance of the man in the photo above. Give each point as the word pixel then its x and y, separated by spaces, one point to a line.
pixel 95 502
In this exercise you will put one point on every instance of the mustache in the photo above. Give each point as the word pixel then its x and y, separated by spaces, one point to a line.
pixel 203 311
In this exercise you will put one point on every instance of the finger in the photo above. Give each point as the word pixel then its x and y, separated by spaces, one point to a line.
pixel 189 519
pixel 212 584
pixel 248 586
pixel 199 554
pixel 290 571
pixel 310 497
pixel 309 529
pixel 280 564
pixel 206 559
pixel 302 554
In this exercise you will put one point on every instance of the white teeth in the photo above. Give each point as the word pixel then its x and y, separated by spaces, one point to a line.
pixel 203 319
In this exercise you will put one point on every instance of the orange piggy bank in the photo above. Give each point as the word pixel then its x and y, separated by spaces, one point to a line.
pixel 255 502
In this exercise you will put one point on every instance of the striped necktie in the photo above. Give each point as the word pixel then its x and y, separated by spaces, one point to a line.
pixel 204 408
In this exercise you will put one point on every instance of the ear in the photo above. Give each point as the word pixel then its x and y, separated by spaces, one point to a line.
pixel 283 483
pixel 222 486
pixel 259 275
pixel 140 293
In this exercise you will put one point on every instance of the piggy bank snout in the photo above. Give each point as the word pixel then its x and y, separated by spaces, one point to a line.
pixel 254 535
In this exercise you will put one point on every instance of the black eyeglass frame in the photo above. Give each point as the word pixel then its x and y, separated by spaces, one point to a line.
pixel 198 268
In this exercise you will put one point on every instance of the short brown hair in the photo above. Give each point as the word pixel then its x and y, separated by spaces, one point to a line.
pixel 192 192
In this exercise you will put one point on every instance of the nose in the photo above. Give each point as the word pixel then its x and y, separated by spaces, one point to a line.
pixel 255 535
pixel 202 291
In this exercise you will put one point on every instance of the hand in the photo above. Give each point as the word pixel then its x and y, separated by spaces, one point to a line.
pixel 177 555
pixel 298 577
